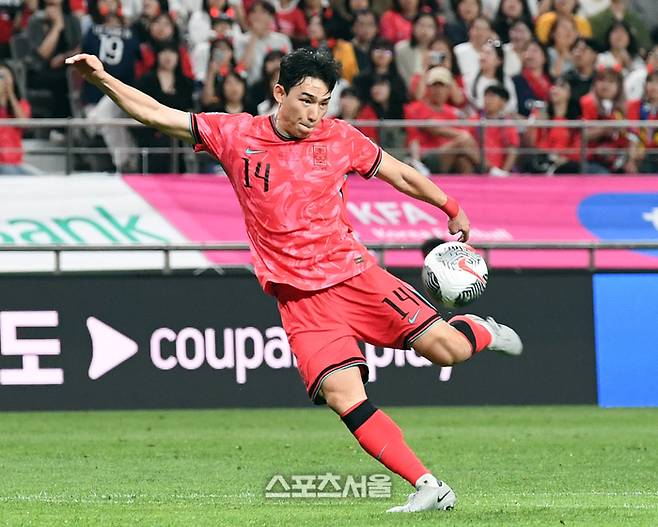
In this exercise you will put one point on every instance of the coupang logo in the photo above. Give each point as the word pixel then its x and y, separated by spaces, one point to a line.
pixel 621 216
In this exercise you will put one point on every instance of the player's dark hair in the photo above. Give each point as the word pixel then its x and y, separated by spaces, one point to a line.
pixel 314 63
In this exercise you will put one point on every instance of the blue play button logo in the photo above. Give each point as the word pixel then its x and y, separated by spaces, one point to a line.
pixel 620 216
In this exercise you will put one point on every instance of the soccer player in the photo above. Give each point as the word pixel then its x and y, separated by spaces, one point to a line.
pixel 289 172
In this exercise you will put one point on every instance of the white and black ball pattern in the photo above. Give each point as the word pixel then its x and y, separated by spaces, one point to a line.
pixel 454 274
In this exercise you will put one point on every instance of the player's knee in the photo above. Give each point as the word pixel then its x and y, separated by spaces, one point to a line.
pixel 343 389
pixel 340 400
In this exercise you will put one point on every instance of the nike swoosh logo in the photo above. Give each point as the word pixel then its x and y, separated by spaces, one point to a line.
pixel 249 151
pixel 413 319
pixel 441 498
pixel 465 267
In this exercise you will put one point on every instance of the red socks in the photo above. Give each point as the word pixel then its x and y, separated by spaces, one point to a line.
pixel 383 440
pixel 478 337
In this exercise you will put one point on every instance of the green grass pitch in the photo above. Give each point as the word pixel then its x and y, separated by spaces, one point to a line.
pixel 509 466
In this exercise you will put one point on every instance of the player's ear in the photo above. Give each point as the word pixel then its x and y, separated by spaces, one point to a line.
pixel 279 93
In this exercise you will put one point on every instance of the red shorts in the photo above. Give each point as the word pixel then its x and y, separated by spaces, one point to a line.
pixel 323 326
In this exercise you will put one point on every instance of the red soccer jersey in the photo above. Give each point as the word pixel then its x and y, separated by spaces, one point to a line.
pixel 291 192
pixel 420 110
pixel 498 140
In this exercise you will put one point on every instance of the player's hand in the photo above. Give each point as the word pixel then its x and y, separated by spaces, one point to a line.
pixel 89 66
pixel 460 224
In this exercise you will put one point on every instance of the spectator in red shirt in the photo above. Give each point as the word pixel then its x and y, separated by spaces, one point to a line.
pixel 645 138
pixel 396 24
pixel 13 19
pixel 559 146
pixel 12 106
pixel 440 148
pixel 501 143
pixel 290 20
pixel 608 147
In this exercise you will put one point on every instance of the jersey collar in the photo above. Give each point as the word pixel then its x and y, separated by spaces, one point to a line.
pixel 279 134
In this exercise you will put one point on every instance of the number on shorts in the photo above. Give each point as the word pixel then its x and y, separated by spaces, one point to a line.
pixel 401 296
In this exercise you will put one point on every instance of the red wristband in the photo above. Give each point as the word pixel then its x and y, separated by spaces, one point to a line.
pixel 450 207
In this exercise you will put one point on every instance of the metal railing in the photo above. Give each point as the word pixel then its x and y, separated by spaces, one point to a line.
pixel 72 145
pixel 379 248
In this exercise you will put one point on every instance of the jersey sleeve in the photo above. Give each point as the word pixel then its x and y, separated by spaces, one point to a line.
pixel 366 155
pixel 210 130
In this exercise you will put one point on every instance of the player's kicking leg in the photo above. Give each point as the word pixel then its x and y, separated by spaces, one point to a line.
pixel 444 344
pixel 463 336
pixel 382 439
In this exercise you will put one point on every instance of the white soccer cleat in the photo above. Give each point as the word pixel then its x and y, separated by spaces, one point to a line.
pixel 503 338
pixel 429 498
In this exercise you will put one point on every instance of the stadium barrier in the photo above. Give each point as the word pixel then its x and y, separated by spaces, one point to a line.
pixel 380 249
pixel 75 141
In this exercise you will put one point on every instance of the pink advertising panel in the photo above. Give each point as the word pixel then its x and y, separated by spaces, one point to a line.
pixel 532 208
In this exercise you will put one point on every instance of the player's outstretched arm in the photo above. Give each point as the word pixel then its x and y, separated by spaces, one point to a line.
pixel 412 183
pixel 135 103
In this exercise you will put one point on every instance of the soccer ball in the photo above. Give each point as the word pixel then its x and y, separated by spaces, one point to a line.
pixel 454 274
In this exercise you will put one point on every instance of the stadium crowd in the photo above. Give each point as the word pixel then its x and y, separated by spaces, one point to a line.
pixel 473 60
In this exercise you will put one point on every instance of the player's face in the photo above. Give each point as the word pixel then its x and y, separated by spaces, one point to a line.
pixel 303 107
